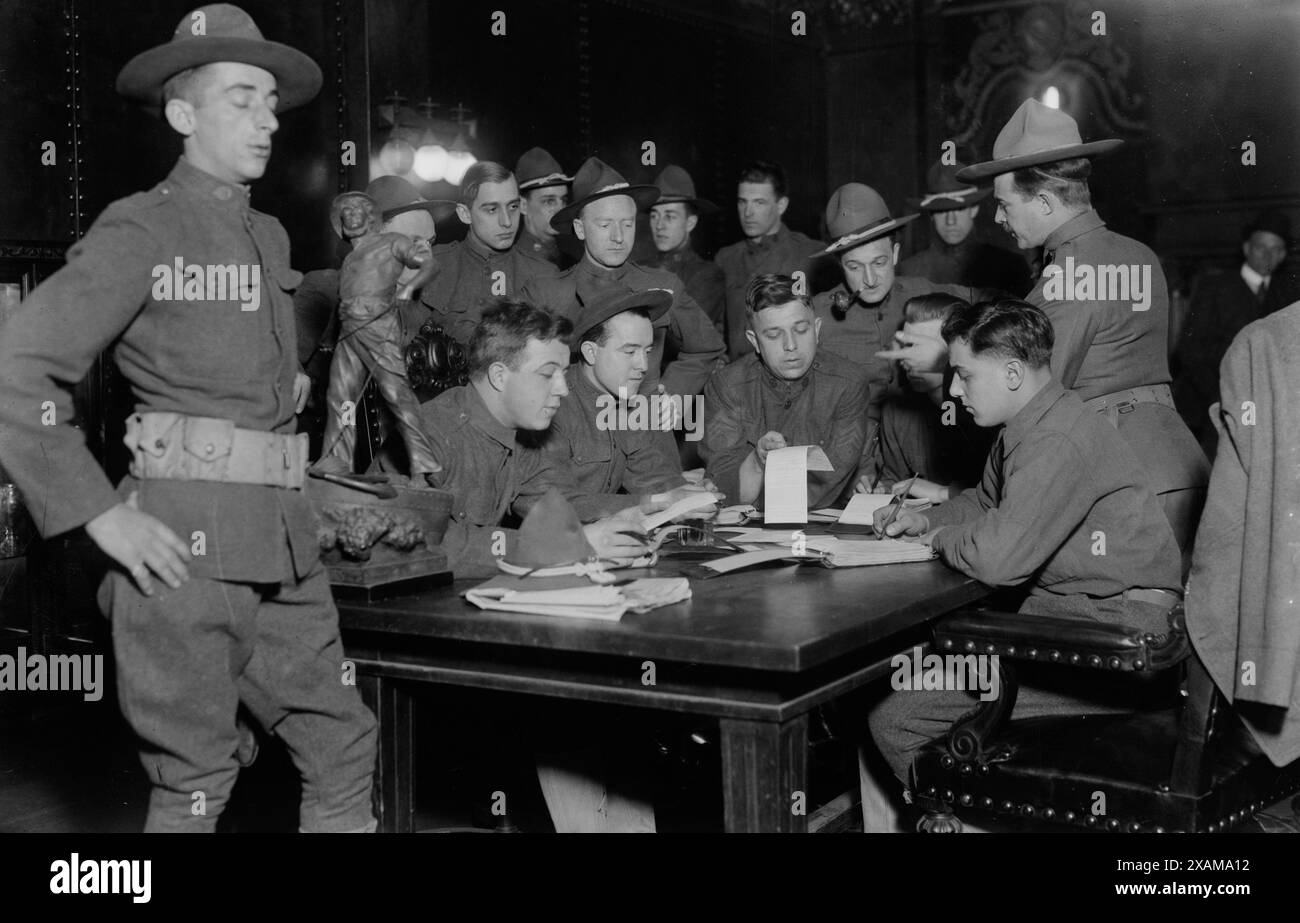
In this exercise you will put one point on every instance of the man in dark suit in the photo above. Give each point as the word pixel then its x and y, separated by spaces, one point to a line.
pixel 1222 303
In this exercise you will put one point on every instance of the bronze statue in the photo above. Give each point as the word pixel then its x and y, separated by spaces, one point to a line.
pixel 370 338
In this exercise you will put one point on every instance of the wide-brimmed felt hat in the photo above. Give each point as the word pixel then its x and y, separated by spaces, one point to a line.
pixel 537 169
pixel 612 301
pixel 1036 134
pixel 551 536
pixel 675 185
pixel 598 180
pixel 395 195
pixel 857 214
pixel 336 214
pixel 945 193
pixel 213 33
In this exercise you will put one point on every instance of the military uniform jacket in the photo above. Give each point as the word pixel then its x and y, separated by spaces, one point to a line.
pixel 465 284
pixel 1105 345
pixel 183 352
pixel 494 471
pixel 972 262
pixel 1056 476
pixel 866 329
pixel 585 435
pixel 785 252
pixel 744 401
pixel 698 345
pixel 548 250
pixel 704 281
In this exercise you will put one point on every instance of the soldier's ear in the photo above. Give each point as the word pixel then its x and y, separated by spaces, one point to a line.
pixel 577 229
pixel 753 341
pixel 496 375
pixel 180 116
pixel 782 204
pixel 896 246
pixel 817 330
pixel 462 213
pixel 691 222
pixel 588 352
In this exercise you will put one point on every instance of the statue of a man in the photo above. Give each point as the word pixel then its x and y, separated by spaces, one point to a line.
pixel 370 338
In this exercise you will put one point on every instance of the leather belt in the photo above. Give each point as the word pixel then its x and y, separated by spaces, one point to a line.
pixel 174 446
pixel 1125 401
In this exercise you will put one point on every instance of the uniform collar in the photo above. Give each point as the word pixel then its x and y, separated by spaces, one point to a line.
pixel 481 250
pixel 587 266
pixel 580 387
pixel 768 241
pixel 784 386
pixel 1029 416
pixel 1076 227
pixel 206 186
pixel 482 419
pixel 682 254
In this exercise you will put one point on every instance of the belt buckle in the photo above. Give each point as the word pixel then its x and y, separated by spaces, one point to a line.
pixel 1126 406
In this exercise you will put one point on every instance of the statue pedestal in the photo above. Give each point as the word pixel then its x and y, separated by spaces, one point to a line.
pixel 371 553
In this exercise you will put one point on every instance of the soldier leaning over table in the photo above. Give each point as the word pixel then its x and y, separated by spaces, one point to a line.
pixel 248 618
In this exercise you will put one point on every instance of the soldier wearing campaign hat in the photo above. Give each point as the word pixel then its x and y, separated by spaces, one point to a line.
pixel 603 217
pixel 1111 346
pixel 957 254
pixel 860 315
pixel 217 596
pixel 672 219
pixel 544 188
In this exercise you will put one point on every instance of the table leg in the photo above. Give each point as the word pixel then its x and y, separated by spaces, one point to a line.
pixel 394 786
pixel 764 775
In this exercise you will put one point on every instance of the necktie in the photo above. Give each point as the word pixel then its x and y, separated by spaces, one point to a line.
pixel 1262 292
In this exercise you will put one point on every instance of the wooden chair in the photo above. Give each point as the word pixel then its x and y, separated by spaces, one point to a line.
pixel 1187 767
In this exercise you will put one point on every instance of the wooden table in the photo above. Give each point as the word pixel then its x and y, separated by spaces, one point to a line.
pixel 757 650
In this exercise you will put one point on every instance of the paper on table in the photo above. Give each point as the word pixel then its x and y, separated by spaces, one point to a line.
pixel 589 602
pixel 685 505
pixel 785 481
pixel 861 508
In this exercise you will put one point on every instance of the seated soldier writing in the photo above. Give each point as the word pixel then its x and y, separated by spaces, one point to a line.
pixel 921 430
pixel 1064 510
pixel 609 451
pixel 481 435
pixel 786 393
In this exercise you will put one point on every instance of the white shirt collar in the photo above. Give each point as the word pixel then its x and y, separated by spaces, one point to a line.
pixel 1252 278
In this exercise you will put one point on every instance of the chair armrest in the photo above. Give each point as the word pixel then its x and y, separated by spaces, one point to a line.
pixel 1067 641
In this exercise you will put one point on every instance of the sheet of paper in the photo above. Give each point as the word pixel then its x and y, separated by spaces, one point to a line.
pixel 785 481
pixel 684 505
pixel 861 508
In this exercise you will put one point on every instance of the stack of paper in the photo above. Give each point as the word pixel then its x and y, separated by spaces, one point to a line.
pixel 881 551
pixel 785 481
pixel 825 549
pixel 578 597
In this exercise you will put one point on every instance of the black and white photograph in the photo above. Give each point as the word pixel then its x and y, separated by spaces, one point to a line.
pixel 651 416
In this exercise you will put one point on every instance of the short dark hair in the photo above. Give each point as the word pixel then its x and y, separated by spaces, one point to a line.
pixel 688 207
pixel 1066 179
pixel 1008 328
pixel 934 306
pixel 504 332
pixel 599 334
pixel 485 171
pixel 764 171
pixel 770 291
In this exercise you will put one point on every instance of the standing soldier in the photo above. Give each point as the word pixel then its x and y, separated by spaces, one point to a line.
pixel 957 254
pixel 1111 346
pixel 769 246
pixel 486 265
pixel 672 219
pixel 545 190
pixel 603 217
pixel 213 507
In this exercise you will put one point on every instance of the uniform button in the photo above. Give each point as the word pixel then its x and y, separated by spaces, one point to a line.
pixel 209 448
pixel 223 193
pixel 461 516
